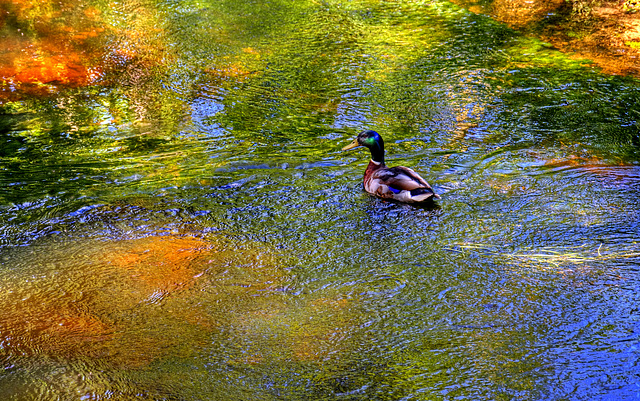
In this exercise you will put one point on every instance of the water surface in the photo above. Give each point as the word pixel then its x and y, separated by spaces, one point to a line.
pixel 177 220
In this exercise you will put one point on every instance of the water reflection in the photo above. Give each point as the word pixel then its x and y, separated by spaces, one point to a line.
pixel 126 303
pixel 518 14
pixel 185 227
pixel 48 43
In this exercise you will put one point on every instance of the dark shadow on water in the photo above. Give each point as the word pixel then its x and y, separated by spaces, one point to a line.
pixel 390 204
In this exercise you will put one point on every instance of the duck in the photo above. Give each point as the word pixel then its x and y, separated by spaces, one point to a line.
pixel 398 183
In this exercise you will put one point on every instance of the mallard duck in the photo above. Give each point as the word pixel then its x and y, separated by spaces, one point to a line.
pixel 399 183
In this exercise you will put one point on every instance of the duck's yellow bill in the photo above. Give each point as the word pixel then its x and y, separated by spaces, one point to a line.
pixel 352 145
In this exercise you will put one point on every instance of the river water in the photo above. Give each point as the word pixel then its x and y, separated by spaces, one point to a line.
pixel 177 221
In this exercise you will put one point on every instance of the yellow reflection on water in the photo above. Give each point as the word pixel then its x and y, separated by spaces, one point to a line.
pixel 83 302
pixel 132 302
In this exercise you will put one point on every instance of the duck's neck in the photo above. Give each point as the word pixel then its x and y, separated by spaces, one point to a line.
pixel 372 168
pixel 377 152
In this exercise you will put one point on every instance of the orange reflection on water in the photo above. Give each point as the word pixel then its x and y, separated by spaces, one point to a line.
pixel 519 13
pixel 130 302
pixel 158 263
pixel 79 311
pixel 591 164
pixel 516 13
pixel 48 43
pixel 40 323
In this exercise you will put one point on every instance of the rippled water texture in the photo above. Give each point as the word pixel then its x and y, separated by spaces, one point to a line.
pixel 177 221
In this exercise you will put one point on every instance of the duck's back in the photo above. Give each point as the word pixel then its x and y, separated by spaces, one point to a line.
pixel 399 183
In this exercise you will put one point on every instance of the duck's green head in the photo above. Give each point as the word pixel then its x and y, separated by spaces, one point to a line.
pixel 371 140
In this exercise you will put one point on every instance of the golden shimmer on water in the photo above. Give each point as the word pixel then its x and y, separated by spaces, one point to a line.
pixel 113 304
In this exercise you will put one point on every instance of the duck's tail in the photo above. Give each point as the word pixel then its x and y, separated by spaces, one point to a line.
pixel 423 194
